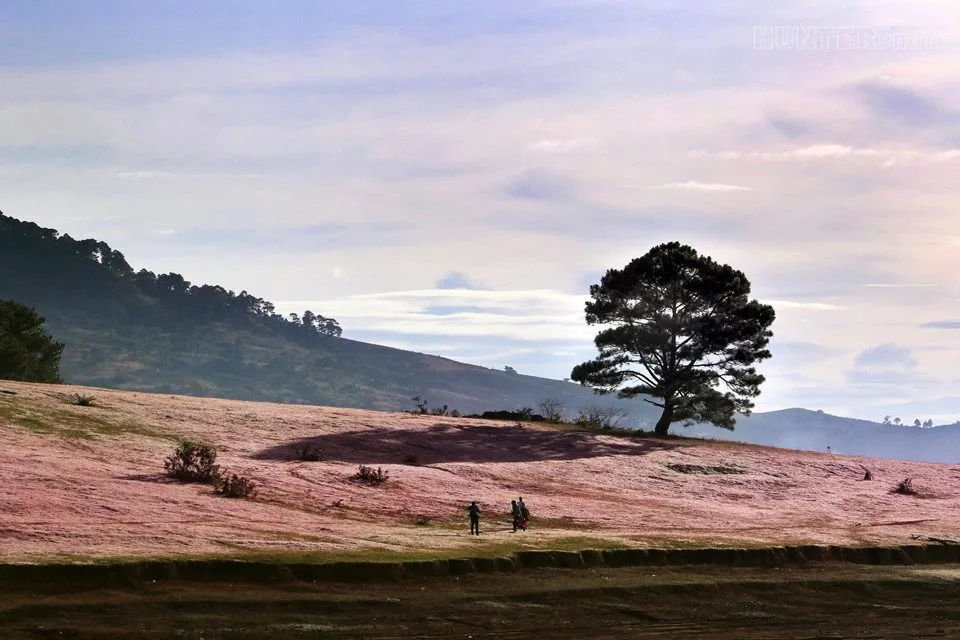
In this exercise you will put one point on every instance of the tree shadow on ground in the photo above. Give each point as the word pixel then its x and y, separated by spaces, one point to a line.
pixel 443 443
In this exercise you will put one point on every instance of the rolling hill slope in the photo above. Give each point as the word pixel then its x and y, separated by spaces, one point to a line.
pixel 158 333
pixel 87 481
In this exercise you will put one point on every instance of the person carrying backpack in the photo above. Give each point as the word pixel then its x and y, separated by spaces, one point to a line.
pixel 524 513
pixel 517 515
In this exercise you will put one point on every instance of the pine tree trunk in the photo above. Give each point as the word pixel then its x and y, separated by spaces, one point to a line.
pixel 666 418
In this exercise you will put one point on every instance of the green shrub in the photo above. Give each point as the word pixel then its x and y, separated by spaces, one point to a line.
pixel 234 486
pixel 369 475
pixel 193 462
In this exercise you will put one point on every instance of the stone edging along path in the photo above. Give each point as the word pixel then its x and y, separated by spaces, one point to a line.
pixel 233 570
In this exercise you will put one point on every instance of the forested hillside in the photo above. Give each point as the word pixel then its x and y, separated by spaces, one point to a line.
pixel 138 330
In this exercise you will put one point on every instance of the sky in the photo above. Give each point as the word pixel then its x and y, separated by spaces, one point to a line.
pixel 451 177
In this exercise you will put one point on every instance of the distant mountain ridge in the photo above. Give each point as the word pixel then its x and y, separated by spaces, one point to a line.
pixel 158 333
pixel 818 431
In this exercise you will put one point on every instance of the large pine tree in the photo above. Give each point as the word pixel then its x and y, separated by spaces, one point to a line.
pixel 682 330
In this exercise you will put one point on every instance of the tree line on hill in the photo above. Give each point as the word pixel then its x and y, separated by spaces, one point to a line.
pixel 917 423
pixel 45 268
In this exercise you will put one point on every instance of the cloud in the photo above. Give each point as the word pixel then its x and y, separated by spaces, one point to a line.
pixel 789 127
pixel 896 285
pixel 538 185
pixel 831 152
pixel 815 306
pixel 533 316
pixel 456 280
pixel 886 356
pixel 901 105
pixel 702 186
pixel 887 365
pixel 563 146
pixel 801 352
pixel 942 324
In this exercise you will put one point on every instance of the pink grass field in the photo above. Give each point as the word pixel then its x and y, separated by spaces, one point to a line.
pixel 79 483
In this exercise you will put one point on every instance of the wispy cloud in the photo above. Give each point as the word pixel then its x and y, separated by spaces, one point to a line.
pixel 942 324
pixel 702 186
pixel 563 146
pixel 897 285
pixel 831 152
pixel 813 306
pixel 539 315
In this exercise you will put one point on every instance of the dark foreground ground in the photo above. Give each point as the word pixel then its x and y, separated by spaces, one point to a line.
pixel 819 600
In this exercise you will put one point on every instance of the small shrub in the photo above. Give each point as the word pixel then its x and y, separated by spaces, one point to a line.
pixel 600 417
pixel 552 409
pixel 369 475
pixel 308 452
pixel 421 522
pixel 411 459
pixel 234 486
pixel 905 487
pixel 193 462
pixel 421 405
pixel 422 408
pixel 82 400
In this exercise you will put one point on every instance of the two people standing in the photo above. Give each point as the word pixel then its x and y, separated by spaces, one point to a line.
pixel 518 509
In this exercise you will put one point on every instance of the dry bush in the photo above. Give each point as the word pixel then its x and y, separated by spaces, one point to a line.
pixel 193 462
pixel 234 486
pixel 369 475
pixel 600 417
pixel 308 452
pixel 83 400
pixel 552 409
pixel 905 487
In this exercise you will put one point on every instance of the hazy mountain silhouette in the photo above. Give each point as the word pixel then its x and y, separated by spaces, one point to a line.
pixel 816 431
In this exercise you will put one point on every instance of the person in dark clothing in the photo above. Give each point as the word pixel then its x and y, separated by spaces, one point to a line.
pixel 474 511
pixel 524 513
pixel 515 512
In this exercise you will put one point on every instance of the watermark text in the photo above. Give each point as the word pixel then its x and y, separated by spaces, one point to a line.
pixel 812 38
